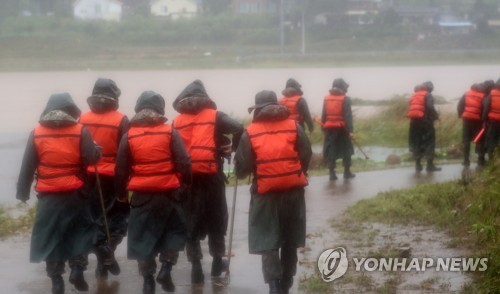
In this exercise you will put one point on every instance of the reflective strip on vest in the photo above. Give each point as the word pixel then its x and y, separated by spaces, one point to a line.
pixel 104 128
pixel 473 105
pixel 59 157
pixel 278 165
pixel 152 166
pixel 291 104
pixel 198 133
pixel 334 106
pixel 494 113
pixel 417 105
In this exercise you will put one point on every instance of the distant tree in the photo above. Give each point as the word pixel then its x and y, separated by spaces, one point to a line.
pixel 216 6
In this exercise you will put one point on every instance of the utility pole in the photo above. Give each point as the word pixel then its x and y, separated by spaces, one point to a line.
pixel 303 33
pixel 282 26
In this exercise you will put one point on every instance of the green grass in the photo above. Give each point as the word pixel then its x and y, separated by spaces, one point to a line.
pixel 11 226
pixel 469 211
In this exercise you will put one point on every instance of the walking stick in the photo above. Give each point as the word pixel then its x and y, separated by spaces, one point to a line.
pixel 101 197
pixel 231 231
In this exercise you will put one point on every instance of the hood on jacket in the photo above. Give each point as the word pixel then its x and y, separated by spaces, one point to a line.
pixel 339 86
pixel 149 109
pixel 60 110
pixel 292 88
pixel 429 86
pixel 193 99
pixel 104 96
pixel 480 87
pixel 267 108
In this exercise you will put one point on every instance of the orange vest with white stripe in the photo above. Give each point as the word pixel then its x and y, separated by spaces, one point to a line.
pixel 473 105
pixel 60 163
pixel 277 163
pixel 291 104
pixel 152 165
pixel 104 128
pixel 198 133
pixel 417 105
pixel 494 113
pixel 334 108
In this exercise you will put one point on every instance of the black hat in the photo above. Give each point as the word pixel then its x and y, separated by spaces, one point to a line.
pixel 428 85
pixel 64 103
pixel 106 88
pixel 264 98
pixel 150 100
pixel 341 84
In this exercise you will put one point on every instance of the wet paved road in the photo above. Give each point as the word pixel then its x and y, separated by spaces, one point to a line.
pixel 324 201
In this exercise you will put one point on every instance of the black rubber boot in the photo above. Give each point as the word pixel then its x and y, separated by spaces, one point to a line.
pixel 165 279
pixel 418 165
pixel 274 287
pixel 76 278
pixel 57 285
pixel 286 283
pixel 219 266
pixel 348 174
pixel 149 285
pixel 431 167
pixel 333 175
pixel 101 273
pixel 197 276
pixel 106 257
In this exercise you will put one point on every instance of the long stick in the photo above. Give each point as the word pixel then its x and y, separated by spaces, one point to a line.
pixel 360 149
pixel 232 227
pixel 101 197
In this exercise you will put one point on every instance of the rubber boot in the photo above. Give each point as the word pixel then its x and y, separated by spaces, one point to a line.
pixel 101 272
pixel 219 266
pixel 466 162
pixel 274 287
pixel 347 173
pixel 149 285
pixel 106 257
pixel 285 284
pixel 57 284
pixel 333 175
pixel 418 165
pixel 431 167
pixel 197 276
pixel 481 161
pixel 76 278
pixel 165 279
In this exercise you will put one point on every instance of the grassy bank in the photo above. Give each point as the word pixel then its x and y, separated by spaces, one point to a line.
pixel 10 225
pixel 468 210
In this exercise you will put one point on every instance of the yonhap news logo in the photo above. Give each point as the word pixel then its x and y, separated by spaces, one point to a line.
pixel 333 264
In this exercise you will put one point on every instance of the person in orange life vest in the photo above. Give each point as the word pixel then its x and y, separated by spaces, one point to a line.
pixel 203 129
pixel 491 115
pixel 59 150
pixel 296 104
pixel 470 110
pixel 338 129
pixel 107 126
pixel 422 134
pixel 276 150
pixel 154 164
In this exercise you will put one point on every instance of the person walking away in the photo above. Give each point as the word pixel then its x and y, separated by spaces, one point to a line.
pixel 338 129
pixel 153 163
pixel 470 108
pixel 276 150
pixel 203 130
pixel 107 126
pixel 422 134
pixel 59 150
pixel 491 114
pixel 295 103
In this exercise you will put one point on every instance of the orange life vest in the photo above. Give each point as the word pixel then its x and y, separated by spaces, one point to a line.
pixel 198 133
pixel 59 157
pixel 473 105
pixel 494 113
pixel 278 166
pixel 417 105
pixel 291 104
pixel 104 128
pixel 334 106
pixel 152 165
